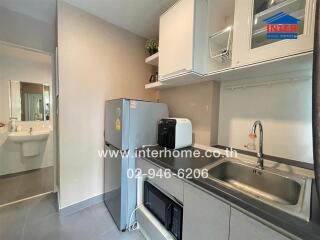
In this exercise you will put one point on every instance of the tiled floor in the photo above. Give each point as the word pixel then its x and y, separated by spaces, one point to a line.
pixel 38 219
pixel 22 185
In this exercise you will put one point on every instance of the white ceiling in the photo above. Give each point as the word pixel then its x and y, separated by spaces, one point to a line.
pixel 138 16
pixel 43 10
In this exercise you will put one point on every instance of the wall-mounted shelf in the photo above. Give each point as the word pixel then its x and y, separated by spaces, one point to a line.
pixel 156 86
pixel 288 66
pixel 153 59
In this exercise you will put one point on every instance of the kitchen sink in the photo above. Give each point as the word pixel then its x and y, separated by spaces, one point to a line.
pixel 286 191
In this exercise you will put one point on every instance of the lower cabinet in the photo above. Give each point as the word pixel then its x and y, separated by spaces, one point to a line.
pixel 204 216
pixel 243 227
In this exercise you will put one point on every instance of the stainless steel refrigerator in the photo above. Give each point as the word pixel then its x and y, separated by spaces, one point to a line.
pixel 129 124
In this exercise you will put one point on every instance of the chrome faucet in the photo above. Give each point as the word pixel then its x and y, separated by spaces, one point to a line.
pixel 253 135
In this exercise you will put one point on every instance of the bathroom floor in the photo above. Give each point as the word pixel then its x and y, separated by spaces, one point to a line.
pixel 17 186
pixel 38 219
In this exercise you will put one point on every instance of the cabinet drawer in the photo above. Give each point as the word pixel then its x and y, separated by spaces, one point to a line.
pixel 173 185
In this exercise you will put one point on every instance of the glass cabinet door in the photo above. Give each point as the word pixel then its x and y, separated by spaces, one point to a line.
pixel 274 20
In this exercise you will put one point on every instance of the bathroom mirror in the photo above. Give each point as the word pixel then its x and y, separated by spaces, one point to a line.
pixel 29 101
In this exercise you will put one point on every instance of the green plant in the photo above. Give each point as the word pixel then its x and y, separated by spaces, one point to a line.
pixel 151 46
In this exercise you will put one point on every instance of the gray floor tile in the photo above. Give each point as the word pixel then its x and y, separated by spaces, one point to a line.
pixel 115 234
pixel 49 228
pixel 12 220
pixel 14 187
pixel 38 219
pixel 80 225
pixel 42 207
pixel 102 219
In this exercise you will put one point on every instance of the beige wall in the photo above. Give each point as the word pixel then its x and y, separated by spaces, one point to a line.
pixel 199 103
pixel 97 61
pixel 284 109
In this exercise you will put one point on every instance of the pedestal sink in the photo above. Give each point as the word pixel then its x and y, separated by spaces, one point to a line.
pixel 30 142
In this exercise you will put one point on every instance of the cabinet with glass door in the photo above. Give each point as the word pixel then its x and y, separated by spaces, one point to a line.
pixel 270 29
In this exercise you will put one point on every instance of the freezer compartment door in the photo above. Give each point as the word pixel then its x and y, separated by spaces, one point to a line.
pixel 144 118
pixel 117 123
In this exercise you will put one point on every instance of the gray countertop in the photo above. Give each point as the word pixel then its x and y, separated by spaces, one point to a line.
pixel 295 226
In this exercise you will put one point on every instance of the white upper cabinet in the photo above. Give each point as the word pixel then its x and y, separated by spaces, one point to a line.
pixel 181 39
pixel 211 39
pixel 250 41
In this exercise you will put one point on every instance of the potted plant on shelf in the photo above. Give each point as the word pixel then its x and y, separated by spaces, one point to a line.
pixel 151 46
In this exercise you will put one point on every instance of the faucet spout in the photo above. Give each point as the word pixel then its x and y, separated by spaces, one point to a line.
pixel 260 151
pixel 12 124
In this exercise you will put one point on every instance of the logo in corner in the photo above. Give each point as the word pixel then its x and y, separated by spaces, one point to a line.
pixel 282 26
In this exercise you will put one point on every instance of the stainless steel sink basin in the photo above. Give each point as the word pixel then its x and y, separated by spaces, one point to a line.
pixel 285 191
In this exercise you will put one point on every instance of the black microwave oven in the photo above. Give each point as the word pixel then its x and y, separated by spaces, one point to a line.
pixel 168 211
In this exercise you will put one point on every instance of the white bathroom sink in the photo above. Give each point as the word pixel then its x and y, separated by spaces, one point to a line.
pixel 30 142
pixel 23 136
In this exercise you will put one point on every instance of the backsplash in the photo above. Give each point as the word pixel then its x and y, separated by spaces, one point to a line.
pixel 200 104
pixel 284 110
